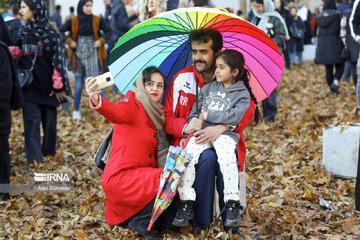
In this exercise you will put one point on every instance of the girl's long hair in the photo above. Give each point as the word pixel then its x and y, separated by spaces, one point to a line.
pixel 235 60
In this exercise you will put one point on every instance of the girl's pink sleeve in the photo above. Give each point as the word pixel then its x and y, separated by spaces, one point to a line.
pixel 57 80
pixel 16 52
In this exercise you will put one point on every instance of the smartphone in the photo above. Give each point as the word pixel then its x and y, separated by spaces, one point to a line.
pixel 105 80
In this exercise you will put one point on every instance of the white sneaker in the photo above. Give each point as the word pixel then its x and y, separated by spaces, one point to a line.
pixel 76 115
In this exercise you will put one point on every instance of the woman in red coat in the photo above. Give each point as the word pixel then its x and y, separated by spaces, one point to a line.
pixel 131 177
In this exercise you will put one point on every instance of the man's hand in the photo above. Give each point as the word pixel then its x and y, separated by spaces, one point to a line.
pixel 97 44
pixel 358 41
pixel 209 134
pixel 194 125
pixel 73 44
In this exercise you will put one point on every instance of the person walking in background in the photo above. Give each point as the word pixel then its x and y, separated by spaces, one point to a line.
pixel 305 15
pixel 271 22
pixel 329 46
pixel 150 8
pixel 50 79
pixel 131 10
pixel 354 23
pixel 285 14
pixel 109 43
pixel 120 21
pixel 345 5
pixel 86 47
pixel 56 17
pixel 296 31
pixel 12 22
pixel 72 13
pixel 10 98
pixel 350 52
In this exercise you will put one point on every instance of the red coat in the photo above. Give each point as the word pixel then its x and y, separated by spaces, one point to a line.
pixel 131 177
pixel 179 101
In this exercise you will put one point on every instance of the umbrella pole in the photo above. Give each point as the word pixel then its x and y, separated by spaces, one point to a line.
pixel 197 94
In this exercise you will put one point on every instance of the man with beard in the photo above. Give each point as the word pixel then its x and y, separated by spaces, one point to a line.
pixel 180 98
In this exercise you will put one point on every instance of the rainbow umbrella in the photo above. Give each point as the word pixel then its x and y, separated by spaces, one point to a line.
pixel 162 41
pixel 176 162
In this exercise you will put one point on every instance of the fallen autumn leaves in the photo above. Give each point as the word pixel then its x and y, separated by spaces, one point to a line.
pixel 285 176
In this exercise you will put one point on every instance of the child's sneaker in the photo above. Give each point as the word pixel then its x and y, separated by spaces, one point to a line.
pixel 184 213
pixel 232 214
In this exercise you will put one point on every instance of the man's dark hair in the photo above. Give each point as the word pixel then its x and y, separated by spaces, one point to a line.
pixel 260 1
pixel 147 72
pixel 58 7
pixel 204 35
pixel 72 9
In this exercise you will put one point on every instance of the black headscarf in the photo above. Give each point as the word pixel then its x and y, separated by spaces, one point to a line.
pixel 85 21
pixel 330 4
pixel 40 29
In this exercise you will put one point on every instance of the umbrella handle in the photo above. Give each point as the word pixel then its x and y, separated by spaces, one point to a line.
pixel 150 226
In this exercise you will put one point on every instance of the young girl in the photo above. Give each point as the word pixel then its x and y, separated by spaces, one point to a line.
pixel 223 101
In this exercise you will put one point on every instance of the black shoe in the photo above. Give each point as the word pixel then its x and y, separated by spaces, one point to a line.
pixel 357 111
pixel 335 88
pixel 184 213
pixel 4 196
pixel 232 214
pixel 197 228
pixel 151 235
pixel 236 232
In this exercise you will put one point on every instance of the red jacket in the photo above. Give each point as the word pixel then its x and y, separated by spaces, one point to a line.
pixel 179 101
pixel 131 177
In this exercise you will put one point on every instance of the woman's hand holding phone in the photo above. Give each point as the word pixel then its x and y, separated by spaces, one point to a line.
pixel 91 85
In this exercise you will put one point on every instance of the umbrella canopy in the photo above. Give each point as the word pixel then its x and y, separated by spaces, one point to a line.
pixel 175 165
pixel 163 41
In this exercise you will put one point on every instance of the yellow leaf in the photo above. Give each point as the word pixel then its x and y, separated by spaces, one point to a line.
pixel 307 194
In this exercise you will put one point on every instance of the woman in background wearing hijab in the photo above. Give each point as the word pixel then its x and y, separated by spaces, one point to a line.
pixel 329 46
pixel 50 79
pixel 267 19
pixel 86 47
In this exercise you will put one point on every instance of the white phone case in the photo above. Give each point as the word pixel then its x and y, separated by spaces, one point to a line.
pixel 105 80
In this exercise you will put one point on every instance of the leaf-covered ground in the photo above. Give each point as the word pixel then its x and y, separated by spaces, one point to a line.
pixel 285 175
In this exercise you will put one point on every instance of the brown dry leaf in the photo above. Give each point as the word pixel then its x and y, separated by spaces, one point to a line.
pixel 81 235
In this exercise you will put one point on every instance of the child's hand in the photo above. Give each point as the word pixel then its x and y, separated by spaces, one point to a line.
pixel 182 142
pixel 194 125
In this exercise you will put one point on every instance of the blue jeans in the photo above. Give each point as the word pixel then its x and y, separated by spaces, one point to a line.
pixel 79 85
pixel 269 106
pixel 298 54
